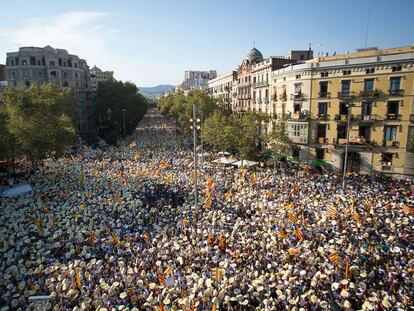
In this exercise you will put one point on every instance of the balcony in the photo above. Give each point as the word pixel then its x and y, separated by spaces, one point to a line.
pixel 411 118
pixel 393 117
pixel 391 144
pixel 323 117
pixel 346 95
pixel 296 96
pixel 396 93
pixel 341 117
pixel 324 94
pixel 373 94
pixel 321 140
pixel 261 84
pixel 265 100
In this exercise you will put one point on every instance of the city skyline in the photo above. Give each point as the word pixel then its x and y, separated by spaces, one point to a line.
pixel 154 43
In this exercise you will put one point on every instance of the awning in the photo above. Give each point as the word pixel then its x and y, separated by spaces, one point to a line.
pixel 245 163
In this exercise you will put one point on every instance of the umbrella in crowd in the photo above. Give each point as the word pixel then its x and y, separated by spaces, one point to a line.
pixel 121 232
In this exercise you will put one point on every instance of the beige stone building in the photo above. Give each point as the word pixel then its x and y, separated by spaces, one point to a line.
pixel 221 88
pixel 34 66
pixel 97 75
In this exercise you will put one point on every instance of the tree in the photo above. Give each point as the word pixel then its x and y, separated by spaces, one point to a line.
pixel 40 119
pixel 221 131
pixel 279 141
pixel 113 97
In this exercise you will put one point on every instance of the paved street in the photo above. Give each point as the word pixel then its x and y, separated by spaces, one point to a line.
pixel 120 231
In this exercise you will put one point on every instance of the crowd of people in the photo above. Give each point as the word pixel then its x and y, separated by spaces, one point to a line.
pixel 120 231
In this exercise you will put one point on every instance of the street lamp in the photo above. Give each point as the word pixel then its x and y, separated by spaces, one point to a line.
pixel 195 126
pixel 123 114
pixel 349 105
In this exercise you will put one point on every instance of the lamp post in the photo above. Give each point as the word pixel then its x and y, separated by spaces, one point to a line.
pixel 195 126
pixel 346 146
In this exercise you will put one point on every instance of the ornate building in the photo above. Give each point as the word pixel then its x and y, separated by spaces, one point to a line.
pixel 34 66
pixel 222 87
pixel 97 75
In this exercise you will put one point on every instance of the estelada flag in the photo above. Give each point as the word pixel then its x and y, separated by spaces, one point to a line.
pixel 229 194
pixel 292 218
pixel 298 233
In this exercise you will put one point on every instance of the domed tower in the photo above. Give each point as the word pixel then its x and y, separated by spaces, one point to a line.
pixel 254 56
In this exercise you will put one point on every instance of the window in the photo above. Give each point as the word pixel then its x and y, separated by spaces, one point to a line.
pixel 254 79
pixel 65 75
pixel 298 88
pixel 392 110
pixel 39 63
pixel 324 74
pixel 12 62
pixel 17 61
pixel 52 63
pixel 366 109
pixel 322 109
pixel 43 61
pixel 40 74
pixel 341 130
pixel 369 70
pixel 390 133
pixel 60 62
pixel 26 83
pixel 345 87
pixel 396 68
pixel 296 107
pixel 343 109
pixel 76 66
pixel 386 158
pixel 32 61
pixel 323 89
pixel 395 83
pixel 64 64
pixel 69 63
pixel 24 62
pixel 298 76
pixel 53 74
pixel 320 153
pixel 368 84
pixel 66 84
pixel 321 130
pixel 346 72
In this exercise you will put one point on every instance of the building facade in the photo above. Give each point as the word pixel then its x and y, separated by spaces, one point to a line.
pixel 221 88
pixel 3 82
pixel 34 66
pixel 197 79
pixel 97 75
pixel 370 94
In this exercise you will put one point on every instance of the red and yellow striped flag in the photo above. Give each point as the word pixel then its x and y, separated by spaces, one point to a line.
pixel 331 211
pixel 217 274
pixel 164 165
pixel 269 193
pixel 115 240
pixel 78 280
pixel 209 182
pixel 334 258
pixel 293 251
pixel 161 308
pixel 214 308
pixel 209 239
pixel 169 270
pixel 281 234
pixel 298 233
pixel 252 178
pixel 229 194
pixel 183 294
pixel 347 270
pixel 185 222
pixel 207 203
pixel 91 238
pixel 292 218
pixel 161 278
pixel 192 306
pixel 145 235
pixel 356 216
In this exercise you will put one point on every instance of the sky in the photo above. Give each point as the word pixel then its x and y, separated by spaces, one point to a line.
pixel 151 42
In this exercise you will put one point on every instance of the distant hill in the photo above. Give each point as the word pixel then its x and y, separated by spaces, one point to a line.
pixel 154 91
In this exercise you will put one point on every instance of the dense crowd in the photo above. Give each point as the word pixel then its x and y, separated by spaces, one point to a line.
pixel 120 230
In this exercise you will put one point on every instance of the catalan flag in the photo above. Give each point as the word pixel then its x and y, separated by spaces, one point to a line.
pixel 269 193
pixel 229 194
pixel 293 251
pixel 347 270
pixel 183 294
pixel 210 182
pixel 207 203
pixel 281 234
pixel 185 222
pixel 209 239
pixel 169 270
pixel 161 278
pixel 192 306
pixel 164 165
pixel 214 308
pixel 334 258
pixel 145 235
pixel 298 233
pixel 331 211
pixel 292 218
pixel 169 179
pixel 115 240
pixel 78 280
pixel 252 178
pixel 356 216
pixel 133 144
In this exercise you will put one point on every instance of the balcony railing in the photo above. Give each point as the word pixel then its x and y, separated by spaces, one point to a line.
pixel 324 94
pixel 346 95
pixel 341 117
pixel 261 84
pixel 391 143
pixel 296 96
pixel 369 94
pixel 396 92
pixel 244 84
pixel 323 117
pixel 393 117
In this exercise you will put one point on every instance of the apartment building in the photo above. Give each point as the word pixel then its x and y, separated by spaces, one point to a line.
pixel 197 79
pixel 221 88
pixel 370 94
pixel 97 75
pixel 34 66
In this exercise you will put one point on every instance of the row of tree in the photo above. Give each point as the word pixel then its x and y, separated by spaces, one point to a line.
pixel 117 103
pixel 244 135
pixel 36 122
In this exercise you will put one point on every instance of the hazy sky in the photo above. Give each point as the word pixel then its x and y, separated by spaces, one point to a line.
pixel 153 42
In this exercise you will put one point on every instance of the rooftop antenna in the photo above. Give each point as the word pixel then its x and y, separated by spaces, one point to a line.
pixel 366 33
